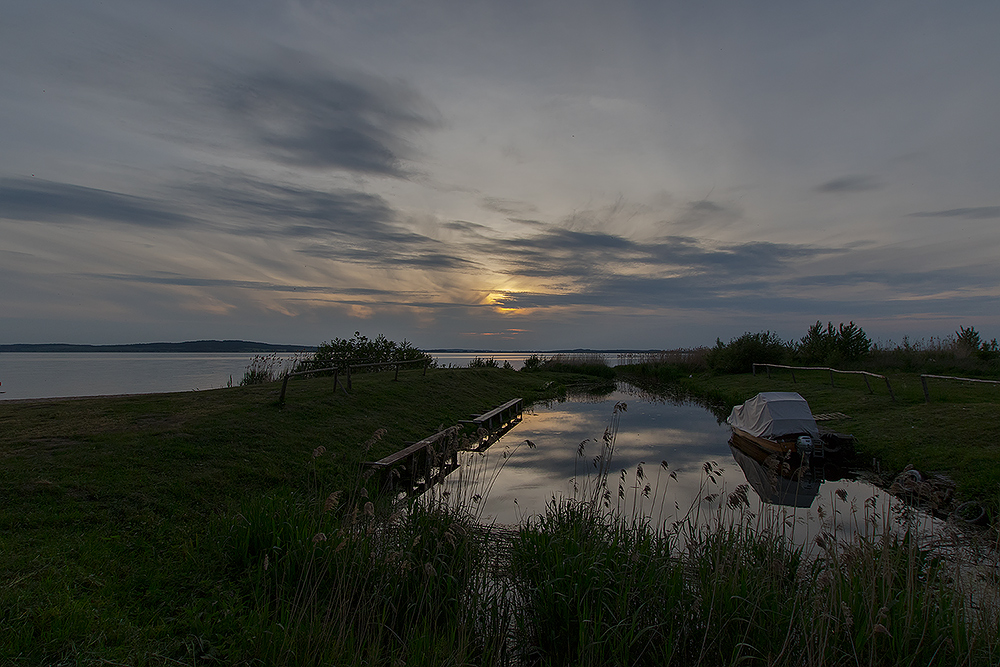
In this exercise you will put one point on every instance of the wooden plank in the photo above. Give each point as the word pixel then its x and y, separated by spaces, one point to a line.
pixel 407 452
pixel 496 411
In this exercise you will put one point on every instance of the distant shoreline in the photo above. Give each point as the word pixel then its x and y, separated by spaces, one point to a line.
pixel 211 346
pixel 243 346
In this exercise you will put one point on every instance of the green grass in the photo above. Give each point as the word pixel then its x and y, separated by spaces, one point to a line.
pixel 109 543
pixel 221 528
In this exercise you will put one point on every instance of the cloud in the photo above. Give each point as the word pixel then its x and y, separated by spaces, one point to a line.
pixel 509 207
pixel 47 201
pixel 573 254
pixel 250 205
pixel 852 183
pixel 974 213
pixel 308 117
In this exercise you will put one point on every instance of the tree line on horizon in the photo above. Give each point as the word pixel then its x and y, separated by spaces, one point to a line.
pixel 849 345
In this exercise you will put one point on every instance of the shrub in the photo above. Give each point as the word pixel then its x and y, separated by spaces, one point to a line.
pixel 832 346
pixel 532 363
pixel 740 354
pixel 361 349
pixel 263 369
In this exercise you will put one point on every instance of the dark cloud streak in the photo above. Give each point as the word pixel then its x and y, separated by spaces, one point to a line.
pixel 39 200
pixel 972 213
pixel 309 117
pixel 852 183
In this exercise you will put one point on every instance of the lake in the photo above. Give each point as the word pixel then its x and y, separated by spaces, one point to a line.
pixel 59 374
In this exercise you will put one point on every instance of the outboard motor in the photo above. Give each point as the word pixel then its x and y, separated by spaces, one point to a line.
pixel 809 448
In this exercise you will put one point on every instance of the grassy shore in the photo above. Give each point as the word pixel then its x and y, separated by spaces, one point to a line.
pixel 109 507
pixel 222 528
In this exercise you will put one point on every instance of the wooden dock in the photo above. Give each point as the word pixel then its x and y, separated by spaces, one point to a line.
pixel 492 425
pixel 418 466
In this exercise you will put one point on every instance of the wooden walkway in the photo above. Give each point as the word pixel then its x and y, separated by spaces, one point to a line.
pixel 492 425
pixel 419 466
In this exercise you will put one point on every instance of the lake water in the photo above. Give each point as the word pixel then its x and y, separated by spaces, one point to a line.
pixel 59 374
pixel 687 463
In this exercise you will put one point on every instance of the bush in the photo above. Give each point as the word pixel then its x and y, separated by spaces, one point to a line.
pixel 832 346
pixel 740 354
pixel 263 369
pixel 532 363
pixel 361 349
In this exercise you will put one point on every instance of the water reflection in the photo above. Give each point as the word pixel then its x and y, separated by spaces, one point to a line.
pixel 672 462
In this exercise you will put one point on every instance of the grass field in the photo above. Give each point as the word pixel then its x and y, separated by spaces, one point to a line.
pixel 109 507
pixel 219 527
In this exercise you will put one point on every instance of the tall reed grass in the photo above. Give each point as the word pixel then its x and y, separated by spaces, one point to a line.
pixel 348 580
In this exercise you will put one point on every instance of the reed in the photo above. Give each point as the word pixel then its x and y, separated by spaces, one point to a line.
pixel 596 579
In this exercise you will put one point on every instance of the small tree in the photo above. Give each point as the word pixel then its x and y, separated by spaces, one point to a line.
pixel 967 342
pixel 847 342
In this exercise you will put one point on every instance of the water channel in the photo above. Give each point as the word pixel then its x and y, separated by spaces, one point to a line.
pixel 691 470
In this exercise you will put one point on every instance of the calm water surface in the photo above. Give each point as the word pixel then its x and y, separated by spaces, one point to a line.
pixel 687 463
pixel 57 374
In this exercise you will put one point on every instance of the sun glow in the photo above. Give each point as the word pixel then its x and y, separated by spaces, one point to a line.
pixel 498 301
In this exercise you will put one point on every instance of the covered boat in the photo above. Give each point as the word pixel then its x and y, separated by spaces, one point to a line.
pixel 776 422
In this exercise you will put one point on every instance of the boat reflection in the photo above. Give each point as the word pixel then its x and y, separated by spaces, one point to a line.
pixel 777 480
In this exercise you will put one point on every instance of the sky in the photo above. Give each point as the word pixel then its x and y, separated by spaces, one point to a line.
pixel 497 175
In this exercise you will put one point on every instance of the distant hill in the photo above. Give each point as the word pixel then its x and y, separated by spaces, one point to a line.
pixel 216 346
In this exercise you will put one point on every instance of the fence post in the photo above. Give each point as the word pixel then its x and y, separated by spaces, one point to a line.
pixel 768 372
pixel 889 387
pixel 868 384
pixel 754 368
pixel 396 376
pixel 831 376
pixel 927 393
pixel 793 377
pixel 425 367
pixel 284 385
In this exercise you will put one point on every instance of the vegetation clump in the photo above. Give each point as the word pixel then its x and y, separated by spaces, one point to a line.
pixel 263 368
pixel 740 354
pixel 847 346
pixel 360 349
pixel 588 364
pixel 346 580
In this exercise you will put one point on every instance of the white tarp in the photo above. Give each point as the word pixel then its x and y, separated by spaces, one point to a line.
pixel 772 414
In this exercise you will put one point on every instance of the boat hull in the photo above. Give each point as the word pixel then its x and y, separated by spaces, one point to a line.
pixel 779 447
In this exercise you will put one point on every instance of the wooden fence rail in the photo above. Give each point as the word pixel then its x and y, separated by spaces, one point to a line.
pixel 927 393
pixel 864 374
pixel 348 385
